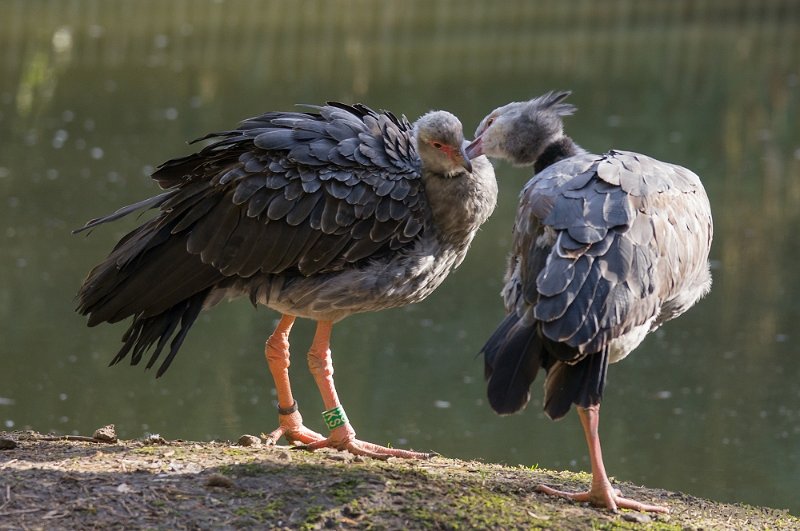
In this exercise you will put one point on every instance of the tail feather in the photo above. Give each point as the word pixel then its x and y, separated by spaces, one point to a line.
pixel 151 277
pixel 145 204
pixel 581 383
pixel 512 357
pixel 144 332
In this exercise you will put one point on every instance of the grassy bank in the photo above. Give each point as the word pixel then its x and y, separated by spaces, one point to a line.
pixel 83 483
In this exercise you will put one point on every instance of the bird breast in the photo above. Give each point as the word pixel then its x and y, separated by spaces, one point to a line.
pixel 460 205
pixel 402 278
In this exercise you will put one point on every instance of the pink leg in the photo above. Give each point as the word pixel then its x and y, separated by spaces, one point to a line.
pixel 601 493
pixel 343 437
pixel 277 353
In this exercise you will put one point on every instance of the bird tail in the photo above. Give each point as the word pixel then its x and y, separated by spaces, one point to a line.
pixel 145 332
pixel 512 357
pixel 158 283
pixel 145 204
pixel 151 277
pixel 581 383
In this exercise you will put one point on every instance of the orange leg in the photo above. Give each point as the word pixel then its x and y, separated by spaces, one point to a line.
pixel 342 437
pixel 601 493
pixel 290 421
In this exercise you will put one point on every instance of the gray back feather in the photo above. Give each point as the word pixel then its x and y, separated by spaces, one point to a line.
pixel 603 244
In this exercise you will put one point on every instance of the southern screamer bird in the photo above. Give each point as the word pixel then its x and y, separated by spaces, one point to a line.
pixel 317 215
pixel 606 248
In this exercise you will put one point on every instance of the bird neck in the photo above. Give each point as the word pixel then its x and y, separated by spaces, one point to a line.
pixel 459 205
pixel 557 150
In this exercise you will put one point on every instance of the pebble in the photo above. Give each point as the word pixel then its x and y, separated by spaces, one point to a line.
pixel 218 480
pixel 7 444
pixel 249 440
pixel 154 438
pixel 639 518
pixel 283 455
pixel 106 434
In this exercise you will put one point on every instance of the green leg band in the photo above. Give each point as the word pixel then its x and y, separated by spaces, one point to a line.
pixel 335 417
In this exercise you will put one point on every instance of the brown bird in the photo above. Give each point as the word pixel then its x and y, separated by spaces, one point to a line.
pixel 317 215
pixel 606 248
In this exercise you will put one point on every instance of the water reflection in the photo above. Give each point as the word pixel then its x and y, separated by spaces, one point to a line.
pixel 93 94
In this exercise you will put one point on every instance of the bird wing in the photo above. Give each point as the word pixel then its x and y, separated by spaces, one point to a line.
pixel 599 246
pixel 284 192
pixel 311 191
pixel 305 191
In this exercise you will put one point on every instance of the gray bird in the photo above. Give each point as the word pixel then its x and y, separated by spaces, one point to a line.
pixel 606 248
pixel 317 215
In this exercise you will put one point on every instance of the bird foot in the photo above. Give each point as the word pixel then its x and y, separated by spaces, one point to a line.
pixel 291 426
pixel 604 496
pixel 343 439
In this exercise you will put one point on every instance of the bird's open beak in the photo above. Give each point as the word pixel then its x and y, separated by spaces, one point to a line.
pixel 475 149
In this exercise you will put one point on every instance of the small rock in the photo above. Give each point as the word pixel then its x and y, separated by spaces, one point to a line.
pixel 154 438
pixel 106 434
pixel 352 512
pixel 283 455
pixel 192 468
pixel 249 440
pixel 7 444
pixel 218 480
pixel 639 518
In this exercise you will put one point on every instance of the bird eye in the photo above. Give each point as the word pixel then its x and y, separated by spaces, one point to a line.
pixel 490 121
pixel 437 145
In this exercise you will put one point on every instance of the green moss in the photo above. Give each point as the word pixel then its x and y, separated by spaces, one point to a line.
pixel 313 514
pixel 344 491
pixel 491 510
pixel 270 512
pixel 427 518
pixel 244 470
pixel 236 452
pixel 148 450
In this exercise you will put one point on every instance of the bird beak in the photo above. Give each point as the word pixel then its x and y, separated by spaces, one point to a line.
pixel 464 160
pixel 475 149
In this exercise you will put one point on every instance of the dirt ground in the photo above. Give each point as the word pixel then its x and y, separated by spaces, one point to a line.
pixel 97 482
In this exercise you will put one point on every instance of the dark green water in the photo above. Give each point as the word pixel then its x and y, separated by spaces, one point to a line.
pixel 94 94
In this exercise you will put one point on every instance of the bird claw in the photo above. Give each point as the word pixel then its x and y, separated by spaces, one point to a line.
pixel 609 498
pixel 343 439
pixel 291 427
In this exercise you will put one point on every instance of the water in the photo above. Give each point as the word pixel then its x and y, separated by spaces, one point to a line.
pixel 94 94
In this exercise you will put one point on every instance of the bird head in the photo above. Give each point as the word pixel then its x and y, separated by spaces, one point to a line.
pixel 520 131
pixel 440 144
